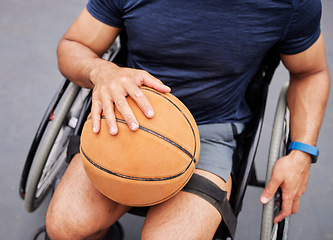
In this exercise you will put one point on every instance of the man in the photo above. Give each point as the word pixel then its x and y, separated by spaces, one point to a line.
pixel 207 52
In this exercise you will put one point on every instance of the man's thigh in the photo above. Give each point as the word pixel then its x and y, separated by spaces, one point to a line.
pixel 185 216
pixel 77 206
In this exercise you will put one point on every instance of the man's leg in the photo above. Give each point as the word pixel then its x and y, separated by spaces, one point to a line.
pixel 77 210
pixel 185 216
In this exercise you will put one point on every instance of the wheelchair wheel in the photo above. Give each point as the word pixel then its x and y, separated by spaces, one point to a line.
pixel 50 160
pixel 278 148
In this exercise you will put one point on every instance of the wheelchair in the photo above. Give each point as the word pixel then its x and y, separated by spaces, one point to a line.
pixel 47 159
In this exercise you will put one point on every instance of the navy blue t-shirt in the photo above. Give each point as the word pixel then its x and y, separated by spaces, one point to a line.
pixel 208 51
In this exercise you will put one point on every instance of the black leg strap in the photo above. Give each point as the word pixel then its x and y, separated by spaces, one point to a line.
pixel 209 191
pixel 73 147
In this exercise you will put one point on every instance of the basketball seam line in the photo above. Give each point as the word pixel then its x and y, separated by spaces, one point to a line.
pixel 161 137
pixel 132 177
pixel 188 121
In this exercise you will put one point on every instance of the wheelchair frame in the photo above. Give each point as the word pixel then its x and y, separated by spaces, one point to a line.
pixel 69 109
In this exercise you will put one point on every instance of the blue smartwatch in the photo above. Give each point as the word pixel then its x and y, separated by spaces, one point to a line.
pixel 313 151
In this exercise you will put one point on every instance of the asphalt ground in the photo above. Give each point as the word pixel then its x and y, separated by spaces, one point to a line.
pixel 29 33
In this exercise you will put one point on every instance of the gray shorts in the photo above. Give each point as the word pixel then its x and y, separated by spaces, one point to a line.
pixel 217 147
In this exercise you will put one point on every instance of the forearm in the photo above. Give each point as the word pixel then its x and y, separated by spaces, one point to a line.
pixel 77 62
pixel 307 97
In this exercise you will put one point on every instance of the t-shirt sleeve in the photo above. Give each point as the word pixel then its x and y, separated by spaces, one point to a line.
pixel 304 27
pixel 106 11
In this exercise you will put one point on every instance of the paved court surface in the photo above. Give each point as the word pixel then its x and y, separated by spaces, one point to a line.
pixel 29 33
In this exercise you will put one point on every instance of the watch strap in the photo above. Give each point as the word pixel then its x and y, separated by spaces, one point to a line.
pixel 312 150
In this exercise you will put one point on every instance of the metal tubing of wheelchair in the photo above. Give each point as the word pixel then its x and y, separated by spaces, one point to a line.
pixel 268 209
pixel 83 114
pixel 47 145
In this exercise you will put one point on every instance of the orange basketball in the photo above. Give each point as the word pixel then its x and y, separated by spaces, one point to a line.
pixel 150 165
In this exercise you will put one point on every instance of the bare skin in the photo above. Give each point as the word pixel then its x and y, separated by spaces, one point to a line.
pixel 79 54
pixel 77 210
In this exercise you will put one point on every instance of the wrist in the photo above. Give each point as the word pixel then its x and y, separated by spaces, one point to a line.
pixel 306 148
pixel 98 67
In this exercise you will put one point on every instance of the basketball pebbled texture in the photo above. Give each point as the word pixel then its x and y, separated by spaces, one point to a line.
pixel 150 165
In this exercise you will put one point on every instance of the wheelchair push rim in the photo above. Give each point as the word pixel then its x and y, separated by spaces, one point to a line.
pixel 278 148
pixel 38 136
pixel 44 169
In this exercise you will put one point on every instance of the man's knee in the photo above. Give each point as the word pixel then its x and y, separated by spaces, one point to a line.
pixel 193 214
pixel 59 220
pixel 58 227
pixel 70 231
pixel 74 215
pixel 63 221
pixel 216 196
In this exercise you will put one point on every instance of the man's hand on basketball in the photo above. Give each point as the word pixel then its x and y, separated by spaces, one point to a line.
pixel 290 173
pixel 111 86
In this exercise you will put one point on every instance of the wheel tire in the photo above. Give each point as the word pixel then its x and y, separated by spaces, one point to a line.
pixel 31 202
pixel 279 139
